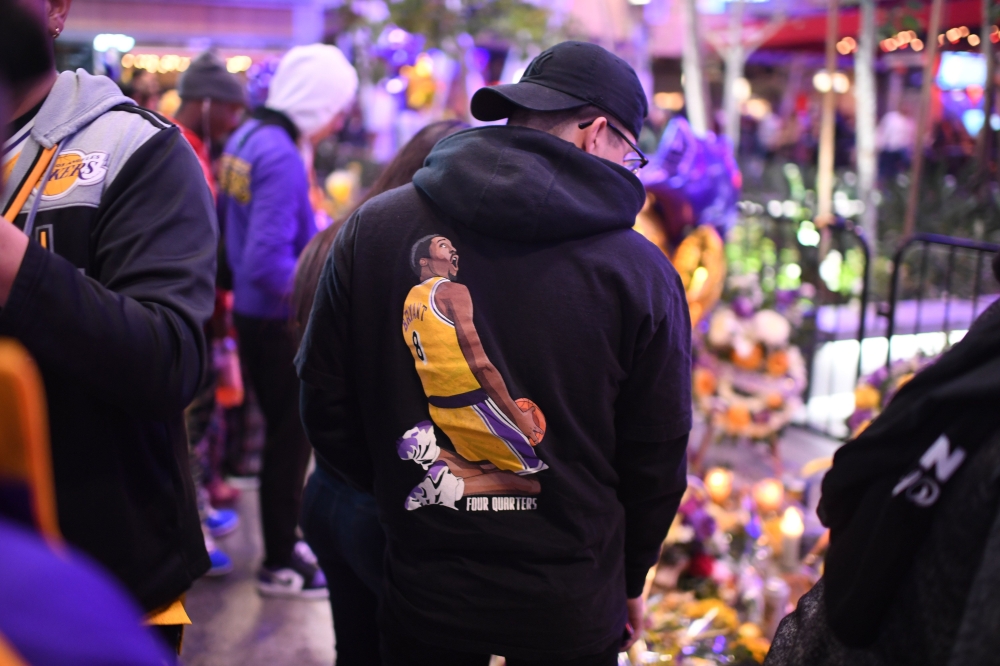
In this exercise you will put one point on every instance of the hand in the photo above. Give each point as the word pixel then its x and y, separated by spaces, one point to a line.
pixel 13 245
pixel 525 422
pixel 636 620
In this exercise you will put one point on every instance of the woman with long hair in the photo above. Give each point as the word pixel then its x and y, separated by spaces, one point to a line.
pixel 397 173
pixel 340 523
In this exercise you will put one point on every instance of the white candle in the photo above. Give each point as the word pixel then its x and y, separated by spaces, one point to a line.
pixel 791 538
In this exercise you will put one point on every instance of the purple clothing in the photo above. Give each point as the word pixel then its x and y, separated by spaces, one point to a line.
pixel 501 426
pixel 264 204
pixel 63 609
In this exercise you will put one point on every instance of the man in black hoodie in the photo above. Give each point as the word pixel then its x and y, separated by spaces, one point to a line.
pixel 529 468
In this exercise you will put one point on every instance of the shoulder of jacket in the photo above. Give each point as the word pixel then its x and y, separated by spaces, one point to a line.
pixel 118 134
pixel 403 199
pixel 152 117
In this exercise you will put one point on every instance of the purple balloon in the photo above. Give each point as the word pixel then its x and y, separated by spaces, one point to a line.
pixel 695 181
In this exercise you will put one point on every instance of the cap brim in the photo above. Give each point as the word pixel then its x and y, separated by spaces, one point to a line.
pixel 498 102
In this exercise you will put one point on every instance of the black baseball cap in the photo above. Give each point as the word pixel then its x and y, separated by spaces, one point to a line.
pixel 568 76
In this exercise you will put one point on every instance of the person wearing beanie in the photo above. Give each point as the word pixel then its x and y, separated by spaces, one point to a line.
pixel 500 359
pixel 267 218
pixel 212 103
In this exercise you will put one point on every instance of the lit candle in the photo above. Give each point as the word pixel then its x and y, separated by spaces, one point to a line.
pixel 791 538
pixel 719 484
pixel 768 495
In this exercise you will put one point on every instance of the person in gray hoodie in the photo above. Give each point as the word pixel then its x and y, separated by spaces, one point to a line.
pixel 107 275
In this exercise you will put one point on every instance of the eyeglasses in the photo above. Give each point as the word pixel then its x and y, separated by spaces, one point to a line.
pixel 632 163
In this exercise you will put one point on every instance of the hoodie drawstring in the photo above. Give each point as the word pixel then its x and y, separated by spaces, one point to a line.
pixel 41 172
pixel 29 224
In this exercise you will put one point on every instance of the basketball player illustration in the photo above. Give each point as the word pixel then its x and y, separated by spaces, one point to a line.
pixel 494 435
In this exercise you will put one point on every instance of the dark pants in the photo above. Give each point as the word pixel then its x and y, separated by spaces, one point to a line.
pixel 341 526
pixel 399 648
pixel 268 350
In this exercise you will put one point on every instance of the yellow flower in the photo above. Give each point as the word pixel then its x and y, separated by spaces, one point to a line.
pixel 867 396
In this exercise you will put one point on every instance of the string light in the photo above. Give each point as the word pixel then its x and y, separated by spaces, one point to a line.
pixel 156 63
pixel 847 45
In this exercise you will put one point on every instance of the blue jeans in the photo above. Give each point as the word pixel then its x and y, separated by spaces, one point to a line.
pixel 341 526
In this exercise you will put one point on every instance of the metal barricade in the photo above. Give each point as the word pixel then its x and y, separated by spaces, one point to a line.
pixel 831 269
pixel 938 286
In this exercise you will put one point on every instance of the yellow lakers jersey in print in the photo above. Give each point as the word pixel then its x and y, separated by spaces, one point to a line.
pixel 432 340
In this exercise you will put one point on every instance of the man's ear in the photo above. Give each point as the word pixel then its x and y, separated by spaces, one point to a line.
pixel 592 132
pixel 424 261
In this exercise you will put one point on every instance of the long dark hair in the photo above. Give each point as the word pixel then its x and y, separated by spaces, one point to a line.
pixel 397 173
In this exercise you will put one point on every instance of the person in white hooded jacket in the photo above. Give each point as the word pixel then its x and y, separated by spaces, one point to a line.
pixel 267 220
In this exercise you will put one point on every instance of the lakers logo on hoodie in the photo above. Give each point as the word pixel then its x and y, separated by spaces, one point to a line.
pixel 73 168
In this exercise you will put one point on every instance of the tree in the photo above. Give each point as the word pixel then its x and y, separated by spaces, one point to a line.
pixel 735 46
pixel 866 119
pixel 692 66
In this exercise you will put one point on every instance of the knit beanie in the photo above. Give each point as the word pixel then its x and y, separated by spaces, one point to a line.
pixel 207 78
pixel 312 85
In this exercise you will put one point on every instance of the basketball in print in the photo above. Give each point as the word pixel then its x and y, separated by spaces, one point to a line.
pixel 536 414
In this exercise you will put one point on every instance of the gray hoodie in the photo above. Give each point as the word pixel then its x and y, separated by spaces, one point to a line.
pixel 110 300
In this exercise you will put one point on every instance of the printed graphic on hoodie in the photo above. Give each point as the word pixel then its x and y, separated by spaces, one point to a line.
pixel 494 435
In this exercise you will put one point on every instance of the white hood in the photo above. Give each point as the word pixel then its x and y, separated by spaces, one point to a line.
pixel 312 85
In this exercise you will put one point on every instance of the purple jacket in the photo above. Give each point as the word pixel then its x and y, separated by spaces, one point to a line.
pixel 264 205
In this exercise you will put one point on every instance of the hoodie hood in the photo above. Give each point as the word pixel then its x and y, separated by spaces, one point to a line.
pixel 76 100
pixel 521 184
pixel 312 85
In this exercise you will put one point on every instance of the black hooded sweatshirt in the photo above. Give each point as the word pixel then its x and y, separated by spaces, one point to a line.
pixel 579 317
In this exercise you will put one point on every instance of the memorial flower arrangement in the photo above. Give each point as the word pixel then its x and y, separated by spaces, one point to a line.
pixel 874 391
pixel 720 588
pixel 748 377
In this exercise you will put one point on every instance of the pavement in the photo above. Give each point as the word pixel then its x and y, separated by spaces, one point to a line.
pixel 234 626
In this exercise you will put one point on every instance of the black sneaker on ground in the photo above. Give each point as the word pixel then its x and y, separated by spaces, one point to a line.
pixel 301 578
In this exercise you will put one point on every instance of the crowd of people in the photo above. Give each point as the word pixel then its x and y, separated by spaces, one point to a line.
pixel 490 368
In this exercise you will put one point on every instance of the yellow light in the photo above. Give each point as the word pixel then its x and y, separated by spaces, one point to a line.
pixel 757 108
pixel 973 40
pixel 742 90
pixel 424 66
pixel 240 63
pixel 791 523
pixel 768 495
pixel 719 484
pixel 698 280
pixel 128 60
pixel 963 31
pixel 821 81
pixel 917 45
pixel 953 35
pixel 903 37
pixel 183 64
pixel 169 63
pixel 841 84
pixel 669 101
